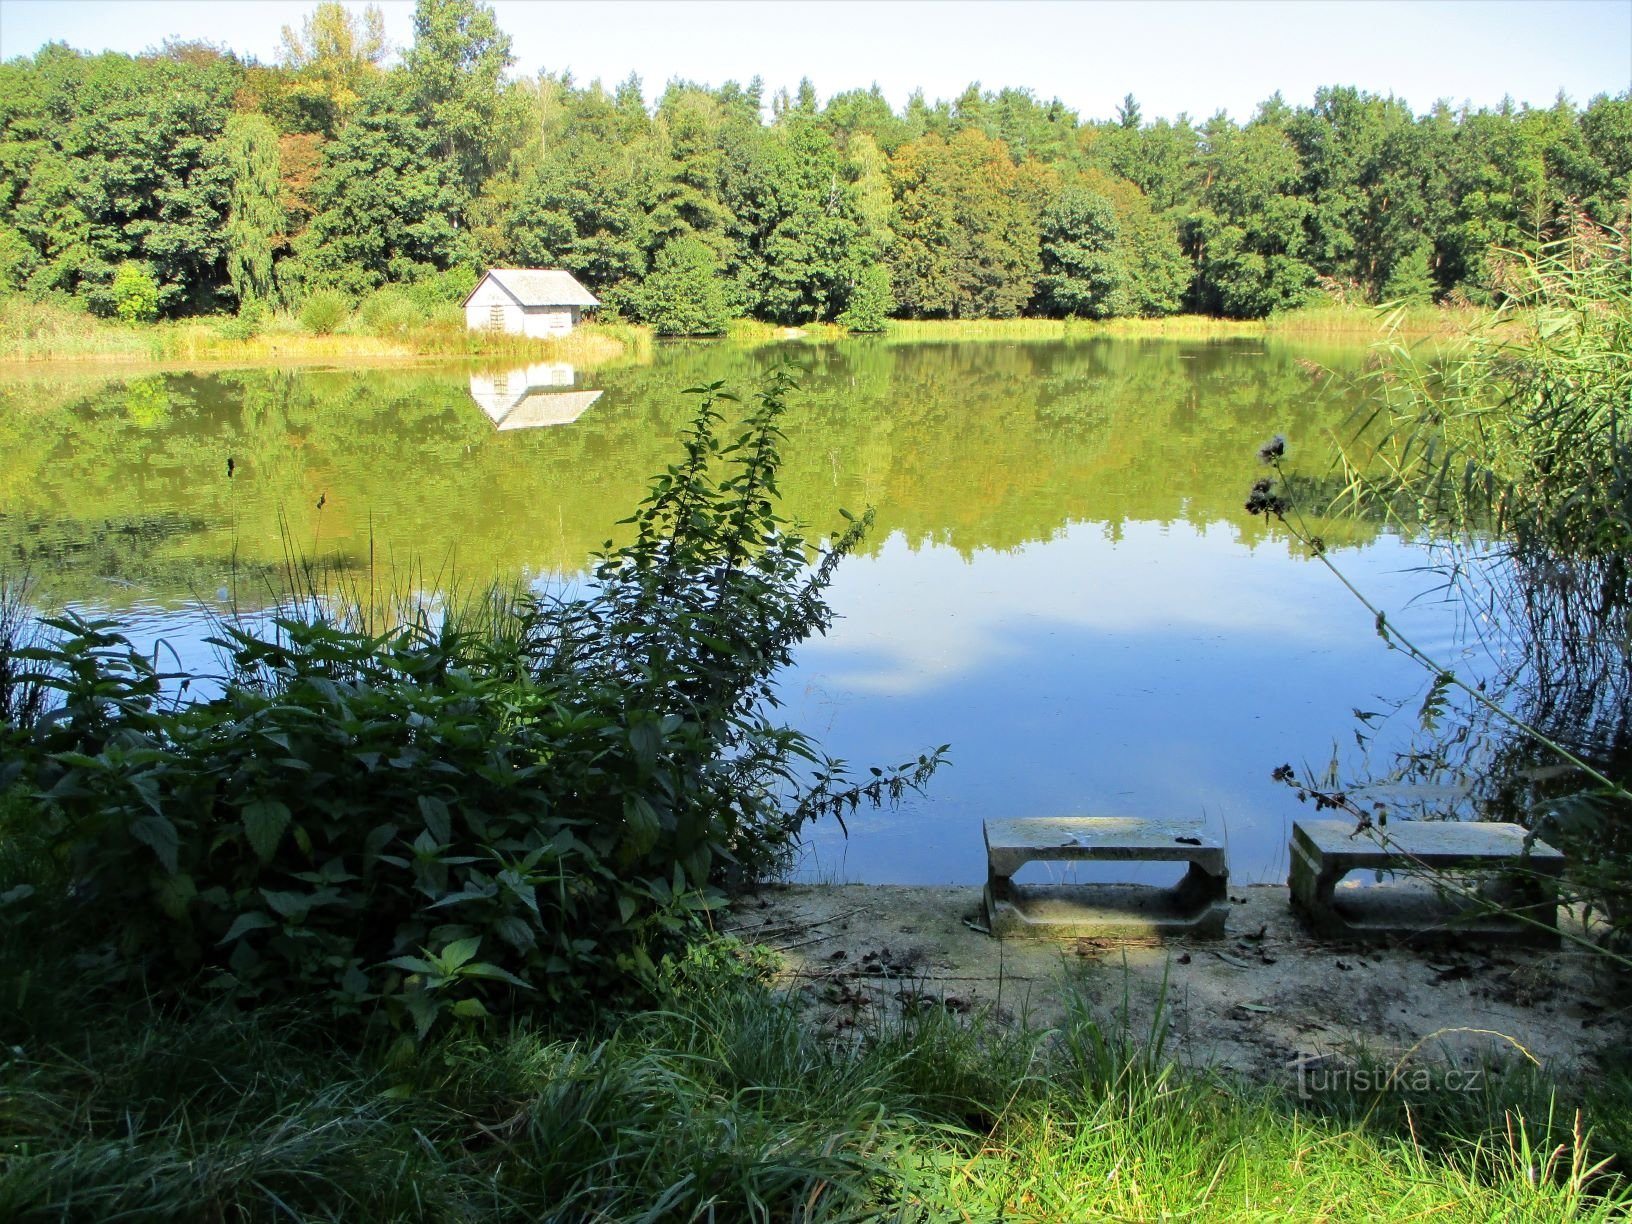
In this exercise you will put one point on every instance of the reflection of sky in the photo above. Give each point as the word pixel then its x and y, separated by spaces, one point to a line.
pixel 1165 674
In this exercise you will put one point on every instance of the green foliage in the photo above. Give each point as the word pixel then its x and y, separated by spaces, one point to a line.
pixel 379 173
pixel 683 296
pixel 455 72
pixel 448 820
pixel 331 60
pixel 966 238
pixel 255 214
pixel 324 311
pixel 1082 271
pixel 1520 430
pixel 386 204
pixel 1250 237
pixel 726 1102
pixel 16 260
pixel 135 293
pixel 585 206
pixel 810 234
pixel 871 300
pixel 391 311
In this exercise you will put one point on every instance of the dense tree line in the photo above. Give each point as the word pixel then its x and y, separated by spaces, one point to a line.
pixel 189 180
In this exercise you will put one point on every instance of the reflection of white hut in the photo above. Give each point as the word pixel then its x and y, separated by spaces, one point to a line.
pixel 536 302
pixel 519 398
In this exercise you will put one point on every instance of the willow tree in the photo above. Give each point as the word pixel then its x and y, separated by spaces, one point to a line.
pixel 255 210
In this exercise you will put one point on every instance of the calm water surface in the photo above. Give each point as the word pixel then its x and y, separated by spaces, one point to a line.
pixel 1061 582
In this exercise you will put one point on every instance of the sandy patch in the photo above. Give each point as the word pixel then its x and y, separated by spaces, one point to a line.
pixel 1255 1002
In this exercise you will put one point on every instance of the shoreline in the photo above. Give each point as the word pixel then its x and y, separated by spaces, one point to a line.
pixel 193 345
pixel 1251 1003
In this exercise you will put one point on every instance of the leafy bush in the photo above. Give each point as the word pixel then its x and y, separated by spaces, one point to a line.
pixel 391 311
pixel 135 293
pixel 870 302
pixel 324 311
pixel 437 822
pixel 246 324
pixel 449 287
pixel 684 295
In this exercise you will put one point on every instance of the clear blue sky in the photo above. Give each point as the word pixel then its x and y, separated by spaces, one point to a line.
pixel 1173 55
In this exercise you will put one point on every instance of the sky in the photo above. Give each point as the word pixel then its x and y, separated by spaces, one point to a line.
pixel 1191 56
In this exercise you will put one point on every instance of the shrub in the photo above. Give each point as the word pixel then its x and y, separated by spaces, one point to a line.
pixel 436 822
pixel 449 287
pixel 684 295
pixel 391 311
pixel 323 312
pixel 246 324
pixel 871 301
pixel 135 293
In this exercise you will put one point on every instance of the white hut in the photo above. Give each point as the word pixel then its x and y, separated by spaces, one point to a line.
pixel 539 302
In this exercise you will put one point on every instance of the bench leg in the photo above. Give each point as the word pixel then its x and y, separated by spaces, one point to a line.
pixel 1312 889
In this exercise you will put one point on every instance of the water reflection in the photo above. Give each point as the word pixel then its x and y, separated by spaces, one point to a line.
pixel 1163 674
pixel 520 398
pixel 1061 581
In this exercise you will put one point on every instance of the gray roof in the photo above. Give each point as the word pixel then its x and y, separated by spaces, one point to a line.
pixel 546 408
pixel 541 287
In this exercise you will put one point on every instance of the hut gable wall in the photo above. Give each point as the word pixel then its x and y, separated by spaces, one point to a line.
pixel 540 304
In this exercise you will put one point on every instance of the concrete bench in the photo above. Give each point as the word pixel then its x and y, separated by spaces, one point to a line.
pixel 1523 908
pixel 1197 906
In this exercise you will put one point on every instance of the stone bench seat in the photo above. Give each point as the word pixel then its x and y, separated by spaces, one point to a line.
pixel 1523 908
pixel 1197 906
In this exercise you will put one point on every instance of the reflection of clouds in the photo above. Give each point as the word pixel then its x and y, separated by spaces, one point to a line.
pixel 1162 675
pixel 910 619
pixel 518 399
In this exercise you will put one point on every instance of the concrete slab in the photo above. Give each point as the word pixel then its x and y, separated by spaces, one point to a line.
pixel 1011 844
pixel 1197 906
pixel 1427 843
pixel 1510 896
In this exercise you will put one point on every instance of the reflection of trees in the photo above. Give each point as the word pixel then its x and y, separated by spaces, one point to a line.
pixel 977 446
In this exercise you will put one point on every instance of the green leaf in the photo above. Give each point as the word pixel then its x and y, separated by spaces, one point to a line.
pixel 458 952
pixel 481 969
pixel 516 933
pixel 470 1009
pixel 264 823
pixel 642 821
pixel 291 905
pixel 423 1008
pixel 437 821
pixel 175 893
pixel 254 920
pixel 159 835
pixel 413 964
pixel 645 740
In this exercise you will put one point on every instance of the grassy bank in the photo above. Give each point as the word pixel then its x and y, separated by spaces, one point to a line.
pixel 32 332
pixel 1360 323
pixel 41 332
pixel 724 1105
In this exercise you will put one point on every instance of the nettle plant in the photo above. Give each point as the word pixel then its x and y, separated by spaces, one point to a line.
pixel 456 817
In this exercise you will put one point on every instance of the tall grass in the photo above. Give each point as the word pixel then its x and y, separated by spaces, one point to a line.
pixel 724 1104
pixel 386 328
pixel 392 325
pixel 1518 430
pixel 52 330
pixel 1335 319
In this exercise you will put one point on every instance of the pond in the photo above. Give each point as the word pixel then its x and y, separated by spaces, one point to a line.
pixel 1061 582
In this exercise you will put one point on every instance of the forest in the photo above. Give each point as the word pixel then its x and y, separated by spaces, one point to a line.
pixel 190 180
